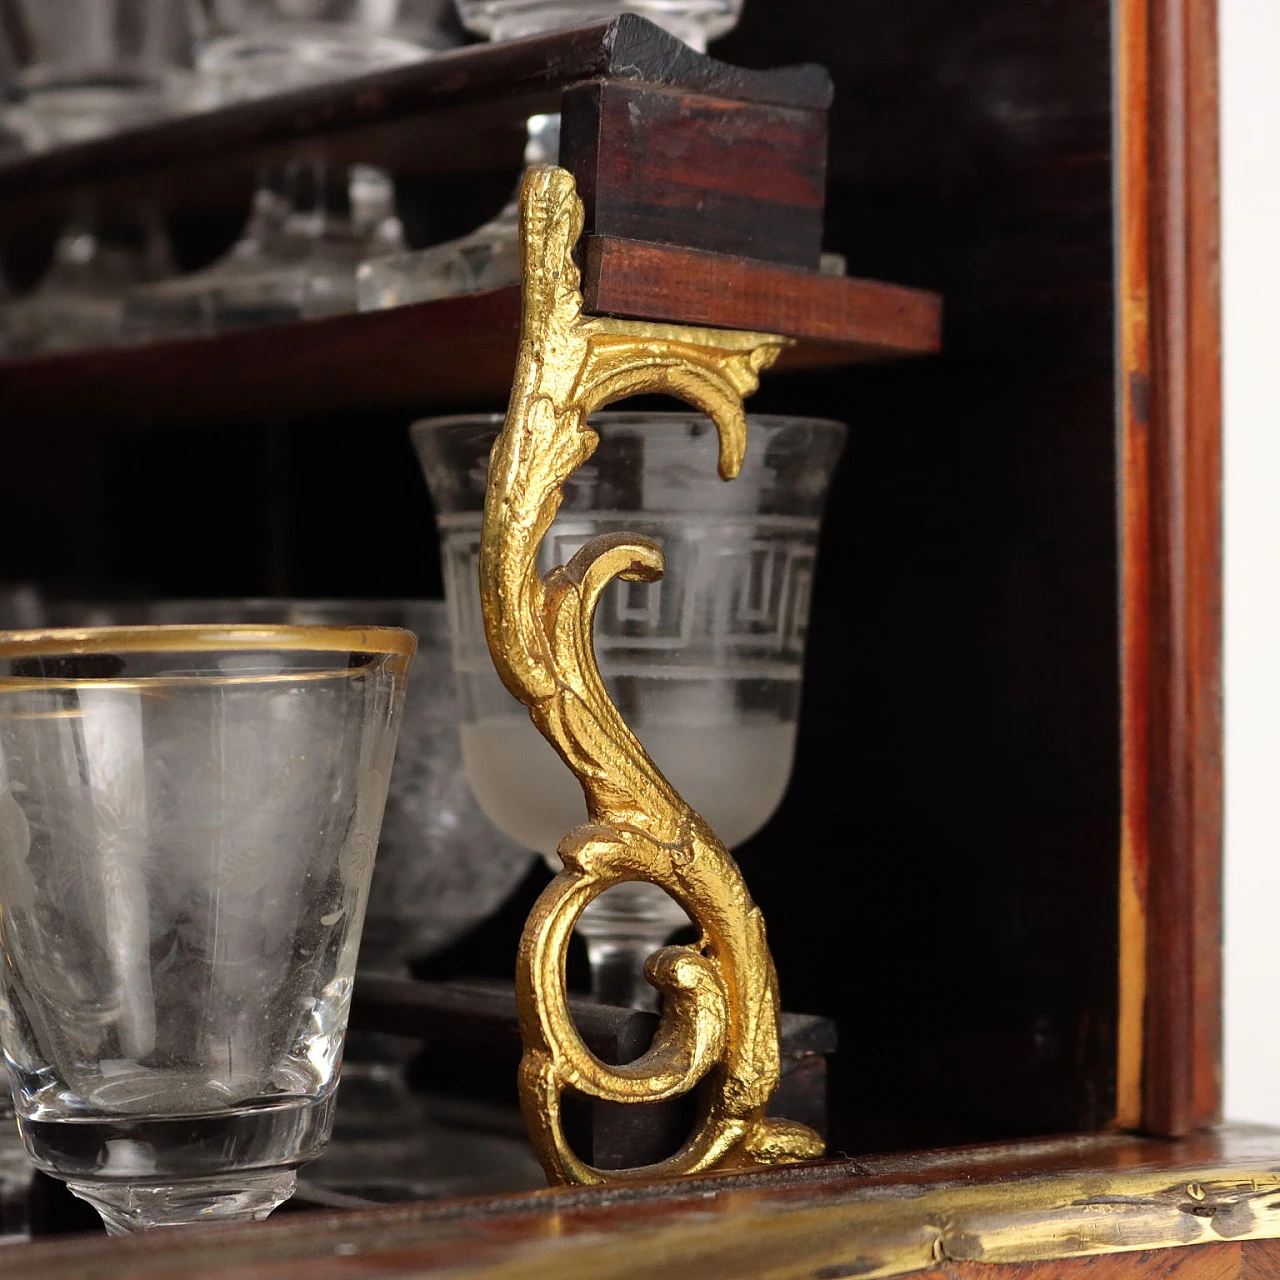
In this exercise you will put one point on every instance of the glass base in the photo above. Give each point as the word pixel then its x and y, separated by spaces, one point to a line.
pixel 247 1197
pixel 693 21
pixel 484 259
pixel 297 259
pixel 169 1170
pixel 80 302
pixel 279 54
pixel 233 296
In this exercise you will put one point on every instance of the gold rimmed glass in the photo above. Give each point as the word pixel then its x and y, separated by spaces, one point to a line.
pixel 188 818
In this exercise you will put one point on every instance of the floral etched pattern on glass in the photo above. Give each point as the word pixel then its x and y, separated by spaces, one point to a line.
pixel 188 820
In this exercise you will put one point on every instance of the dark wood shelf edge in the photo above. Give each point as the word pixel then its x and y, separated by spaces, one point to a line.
pixel 460 352
pixel 869 319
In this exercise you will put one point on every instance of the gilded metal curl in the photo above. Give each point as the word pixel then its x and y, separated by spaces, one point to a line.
pixel 719 1023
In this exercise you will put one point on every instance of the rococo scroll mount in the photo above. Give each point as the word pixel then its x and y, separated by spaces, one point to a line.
pixel 719 1024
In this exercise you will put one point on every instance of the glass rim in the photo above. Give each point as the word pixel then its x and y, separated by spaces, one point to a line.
pixel 396 643
pixel 625 416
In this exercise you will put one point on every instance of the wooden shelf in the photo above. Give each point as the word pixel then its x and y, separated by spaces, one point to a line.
pixel 457 112
pixel 703 188
pixel 460 351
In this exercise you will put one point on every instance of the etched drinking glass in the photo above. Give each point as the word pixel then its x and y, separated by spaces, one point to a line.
pixel 489 257
pixel 188 818
pixel 704 665
pixel 442 867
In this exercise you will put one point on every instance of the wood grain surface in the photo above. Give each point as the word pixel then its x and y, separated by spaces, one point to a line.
pixel 1171 450
pixel 869 319
pixel 1122 1206
pixel 744 179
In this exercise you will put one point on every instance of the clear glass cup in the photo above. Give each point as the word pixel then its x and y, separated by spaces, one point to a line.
pixel 188 818
pixel 311 225
pixel 84 69
pixel 705 665
pixel 489 257
pixel 442 868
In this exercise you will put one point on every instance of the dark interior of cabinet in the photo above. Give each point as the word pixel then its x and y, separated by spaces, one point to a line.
pixel 942 877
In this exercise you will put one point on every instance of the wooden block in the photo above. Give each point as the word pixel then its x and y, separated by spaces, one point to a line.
pixel 703 172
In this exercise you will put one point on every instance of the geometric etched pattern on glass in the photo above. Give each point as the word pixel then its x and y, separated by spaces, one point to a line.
pixel 750 579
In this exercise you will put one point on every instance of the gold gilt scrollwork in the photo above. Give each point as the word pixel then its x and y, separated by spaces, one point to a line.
pixel 719 1023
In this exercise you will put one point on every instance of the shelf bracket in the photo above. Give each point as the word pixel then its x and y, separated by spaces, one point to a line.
pixel 719 1023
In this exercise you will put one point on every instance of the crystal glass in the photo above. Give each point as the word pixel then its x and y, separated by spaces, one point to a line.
pixel 83 69
pixel 311 224
pixel 442 867
pixel 705 666
pixel 188 818
pixel 489 257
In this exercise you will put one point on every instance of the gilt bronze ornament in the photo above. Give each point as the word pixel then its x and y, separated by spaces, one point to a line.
pixel 719 1023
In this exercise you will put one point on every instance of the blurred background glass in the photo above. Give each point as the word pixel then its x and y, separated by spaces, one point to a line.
pixel 311 223
pixel 86 68
pixel 82 69
pixel 320 238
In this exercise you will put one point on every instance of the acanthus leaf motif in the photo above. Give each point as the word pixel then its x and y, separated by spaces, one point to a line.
pixel 719 1023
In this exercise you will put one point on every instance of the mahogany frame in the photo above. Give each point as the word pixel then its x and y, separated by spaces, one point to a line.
pixel 1169 322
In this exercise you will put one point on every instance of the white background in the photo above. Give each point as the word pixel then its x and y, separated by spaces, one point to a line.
pixel 1250 44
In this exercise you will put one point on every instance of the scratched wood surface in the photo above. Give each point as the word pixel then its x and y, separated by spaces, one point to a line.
pixel 1122 1206
pixel 1243 1260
